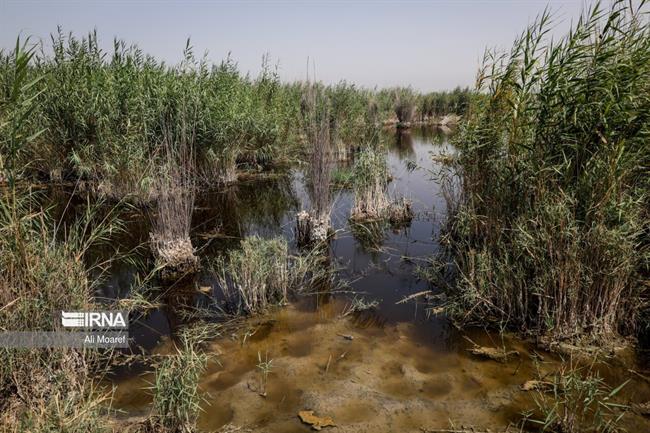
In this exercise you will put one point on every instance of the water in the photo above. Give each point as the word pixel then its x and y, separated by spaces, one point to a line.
pixel 402 371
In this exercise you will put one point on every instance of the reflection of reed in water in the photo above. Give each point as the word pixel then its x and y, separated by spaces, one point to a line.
pixel 432 135
pixel 368 319
pixel 404 144
pixel 242 208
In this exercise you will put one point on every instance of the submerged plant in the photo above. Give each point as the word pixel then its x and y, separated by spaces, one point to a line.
pixel 264 366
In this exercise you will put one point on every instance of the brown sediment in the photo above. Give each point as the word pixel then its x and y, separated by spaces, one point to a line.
pixel 387 378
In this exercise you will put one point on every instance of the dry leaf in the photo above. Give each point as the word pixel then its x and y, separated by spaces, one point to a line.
pixel 316 422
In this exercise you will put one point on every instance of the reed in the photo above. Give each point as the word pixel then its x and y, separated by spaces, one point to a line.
pixel 176 395
pixel 576 399
pixel 370 183
pixel 262 273
pixel 404 107
pixel 175 191
pixel 255 276
pixel 550 232
pixel 101 115
pixel 314 226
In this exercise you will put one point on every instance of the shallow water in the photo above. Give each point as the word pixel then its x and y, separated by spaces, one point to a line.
pixel 402 371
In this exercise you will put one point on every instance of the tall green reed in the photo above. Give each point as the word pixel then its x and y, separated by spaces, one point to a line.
pixel 550 234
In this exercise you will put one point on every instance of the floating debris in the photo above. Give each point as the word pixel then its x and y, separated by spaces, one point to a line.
pixel 413 296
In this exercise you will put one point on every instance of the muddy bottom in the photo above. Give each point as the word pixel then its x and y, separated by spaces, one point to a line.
pixel 377 378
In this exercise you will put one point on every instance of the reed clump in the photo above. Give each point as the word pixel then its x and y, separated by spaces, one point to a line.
pixel 175 191
pixel 314 226
pixel 443 108
pixel 550 232
pixel 262 273
pixel 256 275
pixel 576 399
pixel 40 277
pixel 404 108
pixel 42 272
pixel 370 184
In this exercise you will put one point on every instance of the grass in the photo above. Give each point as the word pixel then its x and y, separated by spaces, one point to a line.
pixel 176 395
pixel 550 232
pixel 577 400
pixel 342 178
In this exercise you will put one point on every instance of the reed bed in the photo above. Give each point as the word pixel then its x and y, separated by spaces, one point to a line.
pixel 550 234
pixel 102 114
pixel 41 273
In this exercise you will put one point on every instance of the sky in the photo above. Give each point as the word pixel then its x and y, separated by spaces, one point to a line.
pixel 429 45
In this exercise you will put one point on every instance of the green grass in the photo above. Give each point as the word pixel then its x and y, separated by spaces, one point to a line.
pixel 342 178
pixel 575 400
pixel 262 273
pixel 176 395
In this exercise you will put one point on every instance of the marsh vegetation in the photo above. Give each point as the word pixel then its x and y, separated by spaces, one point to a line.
pixel 288 248
pixel 550 234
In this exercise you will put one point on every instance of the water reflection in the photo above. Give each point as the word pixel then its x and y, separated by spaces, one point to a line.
pixel 403 144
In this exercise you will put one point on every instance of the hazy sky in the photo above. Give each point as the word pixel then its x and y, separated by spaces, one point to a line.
pixel 430 45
